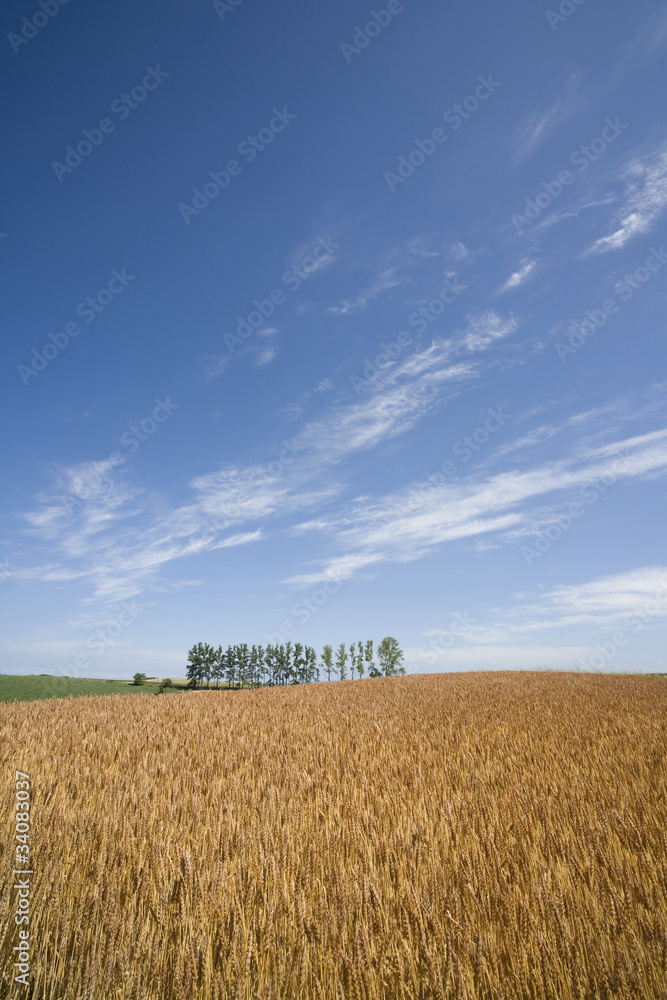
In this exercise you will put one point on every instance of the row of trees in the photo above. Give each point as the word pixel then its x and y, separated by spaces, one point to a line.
pixel 253 666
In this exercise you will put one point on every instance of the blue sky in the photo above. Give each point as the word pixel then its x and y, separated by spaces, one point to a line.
pixel 328 324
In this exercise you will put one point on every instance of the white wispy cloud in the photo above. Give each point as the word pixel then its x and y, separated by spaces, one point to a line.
pixel 389 277
pixel 649 39
pixel 574 208
pixel 315 255
pixel 522 274
pixel 242 539
pixel 643 201
pixel 539 124
pixel 395 268
pixel 484 328
pixel 117 539
pixel 292 411
pixel 404 393
pixel 610 599
pixel 265 357
pixel 215 365
pixel 632 600
pixel 505 637
pixel 98 529
pixel 528 441
pixel 391 529
pixel 457 251
pixel 646 403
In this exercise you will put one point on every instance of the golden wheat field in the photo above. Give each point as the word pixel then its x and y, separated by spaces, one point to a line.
pixel 493 835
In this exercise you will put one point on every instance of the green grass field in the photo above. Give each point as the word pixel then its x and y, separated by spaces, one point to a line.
pixel 35 687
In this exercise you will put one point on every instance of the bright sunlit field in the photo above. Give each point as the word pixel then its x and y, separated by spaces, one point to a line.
pixel 494 835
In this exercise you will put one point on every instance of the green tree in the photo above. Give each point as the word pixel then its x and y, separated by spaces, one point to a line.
pixel 243 661
pixel 196 665
pixel 327 660
pixel 299 668
pixel 218 666
pixel 390 657
pixel 289 663
pixel 230 666
pixel 372 669
pixel 360 659
pixel 209 662
pixel 139 679
pixel 254 665
pixel 271 662
pixel 341 660
pixel 282 664
pixel 312 670
pixel 263 666
pixel 201 660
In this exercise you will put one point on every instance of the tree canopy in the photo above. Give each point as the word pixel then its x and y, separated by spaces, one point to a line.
pixel 253 666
